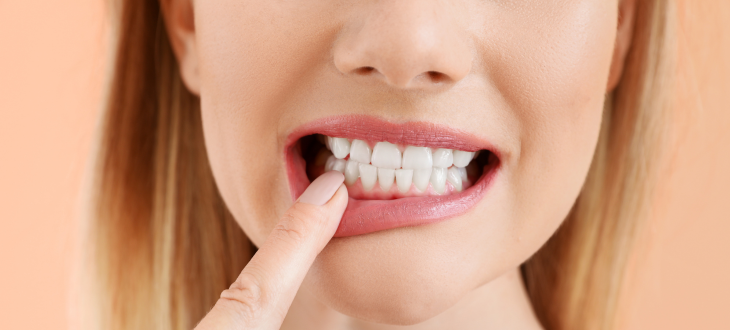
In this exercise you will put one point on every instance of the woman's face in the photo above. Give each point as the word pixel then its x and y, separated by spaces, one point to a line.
pixel 521 80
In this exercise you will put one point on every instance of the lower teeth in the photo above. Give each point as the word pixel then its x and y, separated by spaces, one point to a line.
pixel 437 177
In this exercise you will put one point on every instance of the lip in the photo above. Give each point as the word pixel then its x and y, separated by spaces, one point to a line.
pixel 367 216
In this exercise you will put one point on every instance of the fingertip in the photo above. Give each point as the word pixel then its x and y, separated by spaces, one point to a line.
pixel 340 197
pixel 321 190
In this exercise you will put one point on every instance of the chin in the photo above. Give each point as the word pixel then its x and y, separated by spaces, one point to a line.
pixel 401 276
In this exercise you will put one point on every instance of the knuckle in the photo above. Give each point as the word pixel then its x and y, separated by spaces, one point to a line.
pixel 245 297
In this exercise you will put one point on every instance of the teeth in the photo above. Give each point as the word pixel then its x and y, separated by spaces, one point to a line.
pixel 368 176
pixel 386 176
pixel 462 158
pixel 417 158
pixel 462 173
pixel 329 164
pixel 339 165
pixel 454 177
pixel 340 147
pixel 403 179
pixel 438 179
pixel 421 178
pixel 386 163
pixel 443 158
pixel 386 155
pixel 352 172
pixel 360 151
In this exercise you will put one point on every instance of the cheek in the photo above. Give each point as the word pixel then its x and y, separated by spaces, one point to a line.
pixel 252 56
pixel 554 83
pixel 245 172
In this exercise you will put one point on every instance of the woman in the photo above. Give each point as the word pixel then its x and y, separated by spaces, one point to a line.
pixel 362 164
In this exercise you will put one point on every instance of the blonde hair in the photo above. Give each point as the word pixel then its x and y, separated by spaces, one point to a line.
pixel 165 245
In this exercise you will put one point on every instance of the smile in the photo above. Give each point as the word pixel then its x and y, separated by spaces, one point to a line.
pixel 398 175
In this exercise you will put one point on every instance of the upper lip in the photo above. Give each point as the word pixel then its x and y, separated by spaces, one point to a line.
pixel 415 133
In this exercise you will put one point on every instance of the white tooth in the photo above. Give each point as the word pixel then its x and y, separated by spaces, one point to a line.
pixel 454 177
pixel 340 147
pixel 417 158
pixel 438 179
pixel 386 176
pixel 421 178
pixel 462 173
pixel 443 158
pixel 330 163
pixel 386 155
pixel 403 179
pixel 462 158
pixel 360 151
pixel 368 176
pixel 352 172
pixel 339 165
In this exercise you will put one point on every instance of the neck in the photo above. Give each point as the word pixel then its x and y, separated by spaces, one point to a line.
pixel 499 304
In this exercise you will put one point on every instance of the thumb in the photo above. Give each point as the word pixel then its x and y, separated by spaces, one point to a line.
pixel 263 292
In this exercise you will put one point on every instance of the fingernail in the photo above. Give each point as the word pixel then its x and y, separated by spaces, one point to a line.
pixel 323 188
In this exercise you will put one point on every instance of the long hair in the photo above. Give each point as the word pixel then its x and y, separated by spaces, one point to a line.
pixel 164 245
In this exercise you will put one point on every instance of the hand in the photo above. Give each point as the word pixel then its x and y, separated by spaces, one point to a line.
pixel 262 294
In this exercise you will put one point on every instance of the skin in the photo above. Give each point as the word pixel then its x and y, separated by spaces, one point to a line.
pixel 529 76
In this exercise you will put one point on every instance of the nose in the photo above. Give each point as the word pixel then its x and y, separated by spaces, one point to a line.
pixel 410 44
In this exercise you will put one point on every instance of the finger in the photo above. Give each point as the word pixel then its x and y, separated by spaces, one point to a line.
pixel 263 292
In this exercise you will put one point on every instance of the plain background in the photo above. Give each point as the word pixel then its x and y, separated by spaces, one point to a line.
pixel 52 69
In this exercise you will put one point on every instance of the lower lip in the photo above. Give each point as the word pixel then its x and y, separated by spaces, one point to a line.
pixel 368 216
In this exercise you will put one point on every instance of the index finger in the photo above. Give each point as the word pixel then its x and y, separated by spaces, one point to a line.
pixel 263 292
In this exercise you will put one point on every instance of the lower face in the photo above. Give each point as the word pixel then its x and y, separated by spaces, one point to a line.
pixel 452 182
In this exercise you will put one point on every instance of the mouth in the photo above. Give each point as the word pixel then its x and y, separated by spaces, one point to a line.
pixel 397 175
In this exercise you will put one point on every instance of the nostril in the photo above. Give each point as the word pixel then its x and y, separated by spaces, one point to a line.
pixel 437 77
pixel 364 71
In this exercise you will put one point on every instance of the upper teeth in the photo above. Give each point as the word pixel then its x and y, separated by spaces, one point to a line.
pixel 385 163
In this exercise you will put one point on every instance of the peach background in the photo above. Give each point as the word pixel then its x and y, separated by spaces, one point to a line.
pixel 51 81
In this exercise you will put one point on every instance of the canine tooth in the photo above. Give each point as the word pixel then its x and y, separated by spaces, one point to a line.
pixel 386 176
pixel 368 176
pixel 386 155
pixel 415 158
pixel 443 158
pixel 462 158
pixel 403 179
pixel 330 163
pixel 352 172
pixel 339 165
pixel 340 147
pixel 454 177
pixel 421 178
pixel 438 179
pixel 360 151
pixel 462 173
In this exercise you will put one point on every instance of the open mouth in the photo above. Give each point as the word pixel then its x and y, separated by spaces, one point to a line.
pixel 397 175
